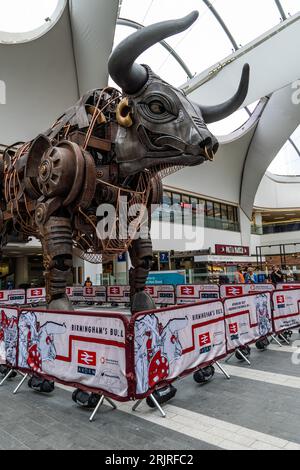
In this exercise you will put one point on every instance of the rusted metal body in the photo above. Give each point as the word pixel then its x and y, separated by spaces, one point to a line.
pixel 109 146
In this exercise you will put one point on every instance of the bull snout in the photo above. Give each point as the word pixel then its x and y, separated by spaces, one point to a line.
pixel 209 146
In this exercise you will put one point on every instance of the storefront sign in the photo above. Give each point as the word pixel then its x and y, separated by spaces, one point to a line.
pixel 232 250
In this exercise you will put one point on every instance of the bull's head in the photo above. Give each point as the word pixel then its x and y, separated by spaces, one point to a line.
pixel 159 125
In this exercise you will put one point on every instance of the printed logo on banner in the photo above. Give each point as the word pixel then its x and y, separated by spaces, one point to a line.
pixel 149 290
pixel 87 358
pixel 233 330
pixel 115 291
pixel 89 291
pixel 36 292
pixel 280 301
pixel 1 295
pixel 234 291
pixel 187 290
pixel 205 343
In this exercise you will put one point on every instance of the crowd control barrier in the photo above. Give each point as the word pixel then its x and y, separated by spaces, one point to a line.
pixel 286 312
pixel 287 286
pixel 128 358
pixel 189 294
pixel 118 294
pixel 95 294
pixel 162 295
pixel 247 318
pixel 36 295
pixel 13 297
pixel 236 290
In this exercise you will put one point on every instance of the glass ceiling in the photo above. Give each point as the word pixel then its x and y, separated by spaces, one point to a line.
pixel 22 16
pixel 223 26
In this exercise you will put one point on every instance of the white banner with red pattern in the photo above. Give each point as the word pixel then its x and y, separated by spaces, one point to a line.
pixel 191 294
pixel 118 294
pixel 288 286
pixel 286 312
pixel 85 350
pixel 8 336
pixel 236 290
pixel 36 295
pixel 247 319
pixel 162 295
pixel 96 294
pixel 169 343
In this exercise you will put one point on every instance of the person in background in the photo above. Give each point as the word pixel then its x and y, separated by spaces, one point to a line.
pixel 239 276
pixel 276 275
pixel 251 277
pixel 261 276
pixel 290 276
pixel 88 282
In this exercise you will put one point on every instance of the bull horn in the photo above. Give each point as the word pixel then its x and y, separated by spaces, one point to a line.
pixel 131 77
pixel 217 113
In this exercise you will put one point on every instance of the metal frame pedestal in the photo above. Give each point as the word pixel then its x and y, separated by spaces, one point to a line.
pixel 101 401
pixel 155 402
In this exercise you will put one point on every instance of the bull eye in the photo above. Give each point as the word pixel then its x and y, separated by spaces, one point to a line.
pixel 156 107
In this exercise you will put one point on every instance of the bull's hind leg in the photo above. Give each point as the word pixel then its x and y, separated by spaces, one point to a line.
pixel 141 256
pixel 57 250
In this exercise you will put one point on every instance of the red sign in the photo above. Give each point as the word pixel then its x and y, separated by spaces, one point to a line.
pixel 234 291
pixel 114 291
pixel 36 293
pixel 232 250
pixel 149 290
pixel 87 358
pixel 204 340
pixel 280 299
pixel 233 328
pixel 187 290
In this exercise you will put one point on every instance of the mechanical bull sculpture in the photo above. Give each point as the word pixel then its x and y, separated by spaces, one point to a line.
pixel 110 144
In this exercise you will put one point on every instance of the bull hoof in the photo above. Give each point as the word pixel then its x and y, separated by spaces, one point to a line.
pixel 142 302
pixel 61 304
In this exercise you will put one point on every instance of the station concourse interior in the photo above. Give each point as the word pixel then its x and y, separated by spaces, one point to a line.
pixel 234 217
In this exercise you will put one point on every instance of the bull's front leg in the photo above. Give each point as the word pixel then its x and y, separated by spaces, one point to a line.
pixel 58 261
pixel 141 255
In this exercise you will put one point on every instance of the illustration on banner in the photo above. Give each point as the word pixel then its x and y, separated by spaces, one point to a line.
pixel 263 315
pixel 8 339
pixel 36 342
pixel 157 347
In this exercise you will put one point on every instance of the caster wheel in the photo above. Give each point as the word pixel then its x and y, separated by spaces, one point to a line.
pixel 246 352
pixel 203 376
pixel 4 371
pixel 85 399
pixel 40 385
pixel 286 334
pixel 262 344
pixel 163 395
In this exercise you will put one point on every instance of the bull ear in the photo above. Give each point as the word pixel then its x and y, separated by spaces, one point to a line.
pixel 131 77
pixel 217 113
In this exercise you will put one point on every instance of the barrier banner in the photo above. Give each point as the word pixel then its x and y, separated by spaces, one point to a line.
pixel 162 295
pixel 36 296
pixel 118 294
pixel 173 342
pixel 291 285
pixel 236 290
pixel 13 297
pixel 286 311
pixel 247 319
pixel 96 294
pixel 77 349
pixel 8 336
pixel 191 294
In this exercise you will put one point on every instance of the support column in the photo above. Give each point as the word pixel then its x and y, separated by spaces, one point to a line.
pixel 245 224
pixel 21 274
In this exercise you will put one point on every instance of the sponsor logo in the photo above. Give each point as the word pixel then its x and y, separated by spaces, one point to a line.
pixel 187 290
pixel 89 291
pixel 114 291
pixel 233 328
pixel 86 371
pixel 280 299
pixel 1 295
pixel 36 292
pixel 205 343
pixel 149 290
pixel 87 358
pixel 234 291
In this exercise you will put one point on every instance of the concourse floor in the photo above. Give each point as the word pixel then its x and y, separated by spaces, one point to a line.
pixel 259 408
